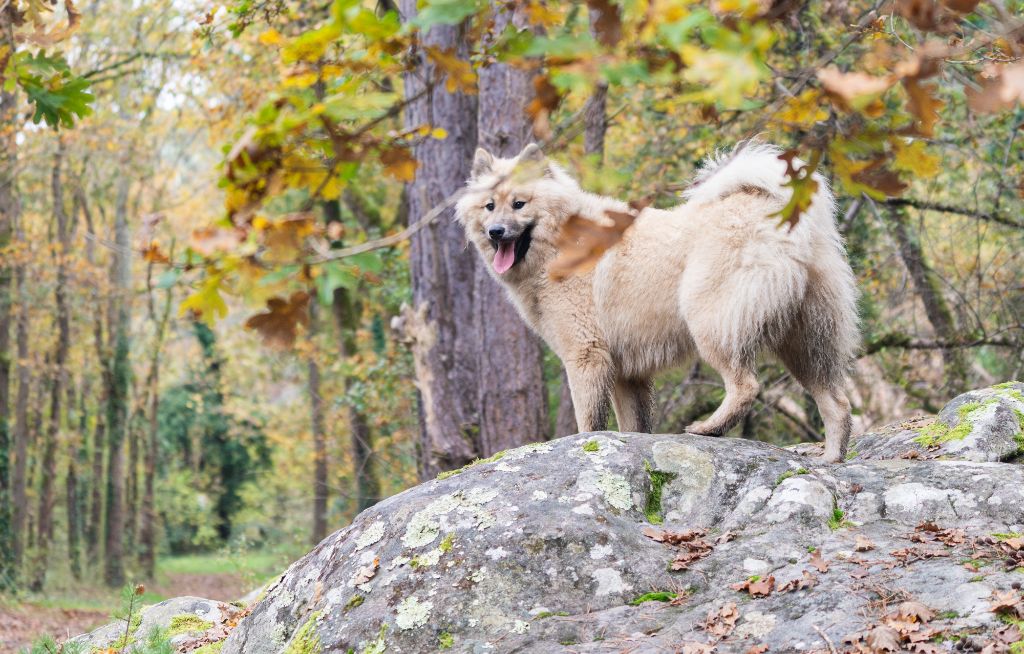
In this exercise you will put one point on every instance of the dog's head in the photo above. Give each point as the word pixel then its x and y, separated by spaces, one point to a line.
pixel 513 210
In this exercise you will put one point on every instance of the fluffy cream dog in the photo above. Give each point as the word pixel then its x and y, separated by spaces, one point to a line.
pixel 715 277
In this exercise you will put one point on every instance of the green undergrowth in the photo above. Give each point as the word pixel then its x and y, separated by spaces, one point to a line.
pixel 652 509
pixel 838 519
pixel 445 640
pixel 491 459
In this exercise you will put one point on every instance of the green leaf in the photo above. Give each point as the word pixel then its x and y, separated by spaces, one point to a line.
pixel 445 12
pixel 58 95
pixel 168 279
pixel 334 275
pixel 368 261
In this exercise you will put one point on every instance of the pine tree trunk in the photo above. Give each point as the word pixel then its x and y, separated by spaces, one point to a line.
pixel 44 526
pixel 316 406
pixel 443 269
pixel 117 400
pixel 511 392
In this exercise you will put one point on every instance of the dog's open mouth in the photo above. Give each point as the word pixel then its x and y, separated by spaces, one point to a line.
pixel 510 251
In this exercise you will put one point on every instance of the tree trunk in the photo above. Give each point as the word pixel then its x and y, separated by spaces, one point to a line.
pixel 346 320
pixel 512 395
pixel 44 526
pixel 316 406
pixel 117 400
pixel 928 287
pixel 8 211
pixel 443 270
pixel 18 477
pixel 147 530
pixel 94 528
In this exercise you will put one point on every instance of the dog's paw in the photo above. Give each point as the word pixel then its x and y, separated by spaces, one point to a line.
pixel 702 428
pixel 830 458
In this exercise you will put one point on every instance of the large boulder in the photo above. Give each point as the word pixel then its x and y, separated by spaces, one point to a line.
pixel 610 542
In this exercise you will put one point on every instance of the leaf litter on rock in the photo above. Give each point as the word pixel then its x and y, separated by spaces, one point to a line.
pixel 690 544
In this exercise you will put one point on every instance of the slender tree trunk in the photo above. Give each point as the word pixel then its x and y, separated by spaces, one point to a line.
pixel 316 405
pixel 18 477
pixel 511 391
pixel 147 532
pixel 8 212
pixel 44 527
pixel 95 523
pixel 928 287
pixel 346 319
pixel 441 323
pixel 9 208
pixel 131 481
pixel 117 400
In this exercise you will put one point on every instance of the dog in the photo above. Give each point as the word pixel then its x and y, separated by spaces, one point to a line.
pixel 716 277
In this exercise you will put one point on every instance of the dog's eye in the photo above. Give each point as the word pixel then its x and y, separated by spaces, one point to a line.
pixel 518 204
pixel 489 206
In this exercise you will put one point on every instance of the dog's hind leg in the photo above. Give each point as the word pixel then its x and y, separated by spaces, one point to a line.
pixel 633 400
pixel 741 388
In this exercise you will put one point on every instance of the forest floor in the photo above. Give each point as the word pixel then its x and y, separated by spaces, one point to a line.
pixel 70 608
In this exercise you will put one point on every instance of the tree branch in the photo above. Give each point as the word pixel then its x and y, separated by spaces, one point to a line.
pixel 945 208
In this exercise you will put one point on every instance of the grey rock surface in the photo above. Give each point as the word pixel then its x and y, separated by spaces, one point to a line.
pixel 550 547
pixel 159 616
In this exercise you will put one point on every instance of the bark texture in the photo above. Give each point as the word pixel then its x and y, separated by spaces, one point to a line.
pixel 316 408
pixel 8 211
pixel 512 393
pixel 443 269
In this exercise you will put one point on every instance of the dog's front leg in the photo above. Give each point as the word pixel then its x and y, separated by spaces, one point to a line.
pixel 633 401
pixel 590 382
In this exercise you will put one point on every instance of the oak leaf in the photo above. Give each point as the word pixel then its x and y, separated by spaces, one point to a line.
pixel 582 242
pixel 279 324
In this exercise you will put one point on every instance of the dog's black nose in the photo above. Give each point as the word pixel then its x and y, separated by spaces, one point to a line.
pixel 496 232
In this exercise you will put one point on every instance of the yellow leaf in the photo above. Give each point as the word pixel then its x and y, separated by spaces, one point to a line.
pixel 206 303
pixel 271 37
pixel 439 133
pixel 914 158
pixel 399 163
pixel 805 109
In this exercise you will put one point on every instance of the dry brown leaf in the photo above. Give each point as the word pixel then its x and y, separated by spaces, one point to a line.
pixel 914 611
pixel 583 242
pixel 761 587
pixel 399 163
pixel 212 240
pixel 56 35
pixel 1001 87
pixel 606 21
pixel 924 105
pixel 756 649
pixel 880 178
pixel 807 580
pixel 852 90
pixel 883 639
pixel 366 573
pixel 1007 602
pixel 721 622
pixel 863 544
pixel 818 561
pixel 279 325
pixel 546 99
pixel 698 648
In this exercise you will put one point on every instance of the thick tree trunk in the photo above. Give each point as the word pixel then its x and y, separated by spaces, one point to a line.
pixel 928 287
pixel 117 400
pixel 512 395
pixel 316 407
pixel 443 269
pixel 44 526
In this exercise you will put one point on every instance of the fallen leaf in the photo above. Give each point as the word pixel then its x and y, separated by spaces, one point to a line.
pixel 807 580
pixel 915 611
pixel 863 544
pixel 756 649
pixel 721 622
pixel 756 587
pixel 365 573
pixel 818 561
pixel 883 639
pixel 582 242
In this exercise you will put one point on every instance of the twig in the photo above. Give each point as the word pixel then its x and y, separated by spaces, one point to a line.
pixel 828 641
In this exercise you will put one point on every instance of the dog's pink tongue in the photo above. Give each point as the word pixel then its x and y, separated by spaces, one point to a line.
pixel 505 256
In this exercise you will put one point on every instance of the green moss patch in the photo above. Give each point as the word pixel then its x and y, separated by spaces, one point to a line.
pixel 838 519
pixel 210 648
pixel 791 473
pixel 447 543
pixel 652 509
pixel 187 623
pixel 445 640
pixel 355 601
pixel 591 446
pixel 491 459
pixel 306 640
pixel 939 432
pixel 658 596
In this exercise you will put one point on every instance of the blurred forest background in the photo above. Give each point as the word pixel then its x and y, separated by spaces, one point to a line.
pixel 234 309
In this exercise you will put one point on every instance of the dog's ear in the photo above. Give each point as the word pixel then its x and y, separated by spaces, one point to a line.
pixel 531 152
pixel 483 162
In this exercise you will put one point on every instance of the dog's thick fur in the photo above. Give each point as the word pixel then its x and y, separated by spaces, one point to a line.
pixel 716 277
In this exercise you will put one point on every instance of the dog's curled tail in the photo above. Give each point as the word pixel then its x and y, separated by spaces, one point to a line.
pixel 753 165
